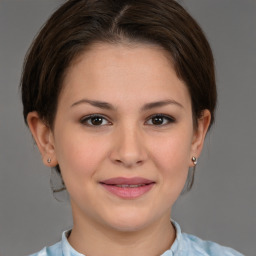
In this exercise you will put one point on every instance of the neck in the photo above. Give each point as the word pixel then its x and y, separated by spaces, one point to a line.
pixel 91 238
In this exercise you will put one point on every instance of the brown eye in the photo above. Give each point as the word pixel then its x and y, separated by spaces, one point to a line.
pixel 160 120
pixel 94 120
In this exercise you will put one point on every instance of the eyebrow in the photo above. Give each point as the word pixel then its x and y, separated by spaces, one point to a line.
pixel 161 104
pixel 95 103
pixel 108 106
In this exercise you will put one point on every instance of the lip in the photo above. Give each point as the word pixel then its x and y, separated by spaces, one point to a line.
pixel 128 188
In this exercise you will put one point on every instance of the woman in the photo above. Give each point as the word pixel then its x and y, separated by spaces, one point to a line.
pixel 119 96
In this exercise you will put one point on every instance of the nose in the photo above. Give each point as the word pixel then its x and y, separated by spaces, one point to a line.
pixel 128 147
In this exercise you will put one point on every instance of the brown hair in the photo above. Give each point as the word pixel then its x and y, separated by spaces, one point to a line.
pixel 78 24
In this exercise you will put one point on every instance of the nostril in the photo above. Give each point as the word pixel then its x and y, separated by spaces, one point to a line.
pixel 128 163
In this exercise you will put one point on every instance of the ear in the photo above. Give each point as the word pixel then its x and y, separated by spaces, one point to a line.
pixel 199 134
pixel 44 138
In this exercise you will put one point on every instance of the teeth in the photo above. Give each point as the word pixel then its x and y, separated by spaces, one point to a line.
pixel 129 186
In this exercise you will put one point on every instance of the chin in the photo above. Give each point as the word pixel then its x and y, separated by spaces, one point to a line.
pixel 128 226
pixel 129 221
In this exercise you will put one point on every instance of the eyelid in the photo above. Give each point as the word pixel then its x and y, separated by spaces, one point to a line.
pixel 84 120
pixel 170 119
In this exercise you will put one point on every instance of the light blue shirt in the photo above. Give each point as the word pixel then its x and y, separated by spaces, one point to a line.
pixel 183 245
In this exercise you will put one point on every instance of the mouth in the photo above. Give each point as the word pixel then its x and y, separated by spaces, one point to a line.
pixel 128 188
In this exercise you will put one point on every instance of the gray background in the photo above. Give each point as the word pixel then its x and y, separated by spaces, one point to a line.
pixel 222 203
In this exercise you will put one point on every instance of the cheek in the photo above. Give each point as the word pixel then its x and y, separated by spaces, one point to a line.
pixel 172 161
pixel 79 155
pixel 172 151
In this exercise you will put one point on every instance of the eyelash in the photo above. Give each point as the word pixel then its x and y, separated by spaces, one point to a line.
pixel 88 118
pixel 168 119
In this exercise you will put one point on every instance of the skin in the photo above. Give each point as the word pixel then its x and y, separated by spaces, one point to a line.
pixel 126 144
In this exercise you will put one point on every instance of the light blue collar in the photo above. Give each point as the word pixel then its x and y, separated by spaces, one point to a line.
pixel 68 250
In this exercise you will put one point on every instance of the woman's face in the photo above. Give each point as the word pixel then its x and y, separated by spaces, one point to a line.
pixel 123 135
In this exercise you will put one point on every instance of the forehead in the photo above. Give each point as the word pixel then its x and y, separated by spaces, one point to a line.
pixel 123 70
pixel 99 56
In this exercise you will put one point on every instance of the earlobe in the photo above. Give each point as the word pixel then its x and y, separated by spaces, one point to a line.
pixel 43 137
pixel 200 133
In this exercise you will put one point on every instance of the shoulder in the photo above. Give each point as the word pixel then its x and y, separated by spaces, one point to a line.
pixel 53 250
pixel 207 248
